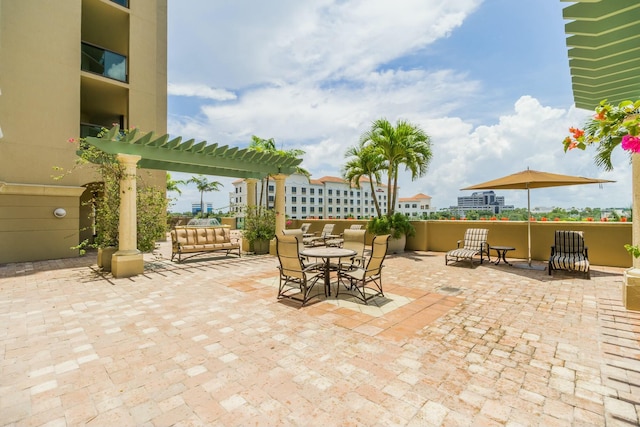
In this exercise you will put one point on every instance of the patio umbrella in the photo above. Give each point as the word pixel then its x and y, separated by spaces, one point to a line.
pixel 528 179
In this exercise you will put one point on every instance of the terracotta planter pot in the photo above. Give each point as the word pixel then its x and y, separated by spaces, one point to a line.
pixel 104 257
pixel 260 247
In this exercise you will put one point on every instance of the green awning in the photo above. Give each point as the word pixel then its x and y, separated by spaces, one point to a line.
pixel 603 38
pixel 198 158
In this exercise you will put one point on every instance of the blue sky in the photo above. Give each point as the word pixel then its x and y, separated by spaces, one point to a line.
pixel 487 80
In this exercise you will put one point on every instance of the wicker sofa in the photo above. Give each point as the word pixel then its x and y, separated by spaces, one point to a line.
pixel 198 240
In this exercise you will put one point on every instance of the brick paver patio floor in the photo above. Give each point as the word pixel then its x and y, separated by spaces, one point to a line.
pixel 206 342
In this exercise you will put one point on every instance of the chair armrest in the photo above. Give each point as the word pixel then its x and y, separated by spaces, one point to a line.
pixel 460 241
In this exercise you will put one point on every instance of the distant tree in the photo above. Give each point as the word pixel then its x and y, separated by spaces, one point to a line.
pixel 269 146
pixel 204 185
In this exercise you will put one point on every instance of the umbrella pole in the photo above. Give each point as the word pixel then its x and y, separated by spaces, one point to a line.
pixel 529 224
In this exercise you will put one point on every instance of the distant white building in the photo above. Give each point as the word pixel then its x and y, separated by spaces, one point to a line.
pixel 326 197
pixel 481 201
pixel 415 206
pixel 195 208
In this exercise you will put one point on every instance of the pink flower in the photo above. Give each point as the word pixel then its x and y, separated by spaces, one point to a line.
pixel 71 140
pixel 631 143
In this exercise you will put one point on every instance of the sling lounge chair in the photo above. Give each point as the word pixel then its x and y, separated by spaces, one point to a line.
pixel 473 244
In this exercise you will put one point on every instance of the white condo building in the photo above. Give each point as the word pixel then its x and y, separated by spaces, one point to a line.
pixel 326 197
pixel 415 206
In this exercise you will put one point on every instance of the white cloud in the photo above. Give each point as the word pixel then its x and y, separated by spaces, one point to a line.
pixel 200 91
pixel 315 74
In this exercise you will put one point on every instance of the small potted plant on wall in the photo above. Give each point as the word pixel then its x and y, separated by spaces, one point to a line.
pixel 259 228
pixel 398 226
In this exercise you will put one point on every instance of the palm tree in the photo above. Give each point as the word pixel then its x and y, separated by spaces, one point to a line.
pixel 263 146
pixel 365 161
pixel 204 185
pixel 269 146
pixel 403 144
pixel 172 184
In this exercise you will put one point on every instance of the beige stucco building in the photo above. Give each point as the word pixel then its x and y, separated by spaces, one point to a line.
pixel 68 68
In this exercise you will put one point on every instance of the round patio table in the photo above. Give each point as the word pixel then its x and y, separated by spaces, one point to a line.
pixel 502 251
pixel 326 253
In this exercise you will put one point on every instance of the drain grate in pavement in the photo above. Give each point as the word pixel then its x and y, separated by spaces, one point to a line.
pixel 449 289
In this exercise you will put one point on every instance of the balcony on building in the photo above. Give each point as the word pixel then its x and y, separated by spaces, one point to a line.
pixel 103 62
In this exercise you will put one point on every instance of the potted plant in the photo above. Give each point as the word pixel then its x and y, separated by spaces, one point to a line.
pixel 259 228
pixel 398 226
pixel 610 126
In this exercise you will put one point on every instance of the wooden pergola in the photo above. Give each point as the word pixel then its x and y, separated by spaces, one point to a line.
pixel 148 151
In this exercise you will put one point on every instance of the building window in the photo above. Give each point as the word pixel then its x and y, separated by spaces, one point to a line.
pixel 304 209
pixel 319 192
pixel 330 199
pixel 271 198
pixel 345 192
pixel 294 199
pixel 293 190
pixel 330 192
pixel 312 209
pixel 330 209
pixel 320 200
pixel 358 210
pixel 304 200
pixel 272 188
pixel 103 62
pixel 312 199
pixel 294 209
pixel 345 201
pixel 304 190
pixel 338 209
pixel 415 205
pixel 337 201
pixel 320 209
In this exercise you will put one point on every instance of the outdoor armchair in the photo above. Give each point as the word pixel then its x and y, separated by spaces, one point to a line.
pixel 473 244
pixel 339 240
pixel 368 277
pixel 569 253
pixel 298 235
pixel 355 240
pixel 305 229
pixel 296 280
pixel 326 233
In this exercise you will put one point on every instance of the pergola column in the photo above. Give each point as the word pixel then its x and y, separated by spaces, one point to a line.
pixel 251 191
pixel 280 203
pixel 631 291
pixel 128 260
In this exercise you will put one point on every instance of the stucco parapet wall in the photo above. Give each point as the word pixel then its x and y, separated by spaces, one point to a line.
pixel 8 188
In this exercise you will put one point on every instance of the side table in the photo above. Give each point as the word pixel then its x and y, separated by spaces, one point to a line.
pixel 502 252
